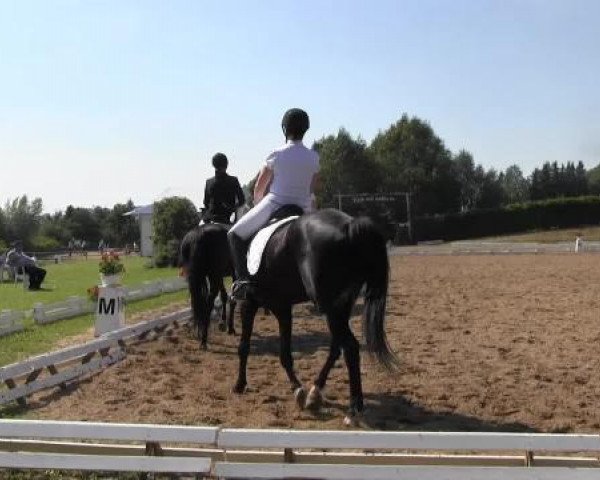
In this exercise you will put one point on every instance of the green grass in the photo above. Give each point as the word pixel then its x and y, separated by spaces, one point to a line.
pixel 37 339
pixel 74 278
pixel 551 236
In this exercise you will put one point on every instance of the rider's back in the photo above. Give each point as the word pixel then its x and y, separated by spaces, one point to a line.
pixel 293 167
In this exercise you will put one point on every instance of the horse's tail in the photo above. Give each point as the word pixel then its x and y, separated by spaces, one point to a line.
pixel 193 259
pixel 370 252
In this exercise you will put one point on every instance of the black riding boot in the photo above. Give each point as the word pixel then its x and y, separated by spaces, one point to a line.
pixel 239 249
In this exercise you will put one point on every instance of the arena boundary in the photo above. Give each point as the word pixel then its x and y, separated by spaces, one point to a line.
pixel 272 453
pixel 58 368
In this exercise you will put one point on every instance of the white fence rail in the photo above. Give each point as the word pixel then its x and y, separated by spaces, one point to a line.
pixel 57 368
pixel 52 312
pixel 276 454
pixel 11 322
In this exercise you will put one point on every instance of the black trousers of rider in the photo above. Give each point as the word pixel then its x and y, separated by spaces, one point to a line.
pixel 36 276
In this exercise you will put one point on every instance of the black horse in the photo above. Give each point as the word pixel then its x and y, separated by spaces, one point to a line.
pixel 204 256
pixel 326 257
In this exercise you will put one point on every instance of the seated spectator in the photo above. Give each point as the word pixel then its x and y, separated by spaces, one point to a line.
pixel 15 258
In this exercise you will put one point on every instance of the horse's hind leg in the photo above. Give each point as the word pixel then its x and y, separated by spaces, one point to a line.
pixel 342 336
pixel 223 296
pixel 351 351
pixel 212 294
pixel 230 326
pixel 284 318
pixel 315 398
pixel 249 309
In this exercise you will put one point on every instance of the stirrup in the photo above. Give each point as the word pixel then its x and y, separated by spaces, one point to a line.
pixel 241 288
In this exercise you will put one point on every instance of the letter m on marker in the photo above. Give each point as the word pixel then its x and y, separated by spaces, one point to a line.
pixel 104 307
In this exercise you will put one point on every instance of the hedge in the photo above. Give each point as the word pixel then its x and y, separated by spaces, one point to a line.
pixel 515 218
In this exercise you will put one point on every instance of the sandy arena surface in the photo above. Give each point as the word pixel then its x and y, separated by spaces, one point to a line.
pixel 491 343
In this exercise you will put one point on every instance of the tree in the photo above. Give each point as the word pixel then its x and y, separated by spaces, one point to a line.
pixel 3 236
pixel 84 223
pixel 120 229
pixel 413 159
pixel 515 186
pixel 345 167
pixel 22 219
pixel 464 167
pixel 173 218
pixel 593 178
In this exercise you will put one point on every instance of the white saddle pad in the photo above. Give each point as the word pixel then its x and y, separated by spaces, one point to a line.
pixel 259 242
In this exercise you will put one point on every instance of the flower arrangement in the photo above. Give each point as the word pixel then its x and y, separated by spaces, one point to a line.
pixel 93 293
pixel 110 264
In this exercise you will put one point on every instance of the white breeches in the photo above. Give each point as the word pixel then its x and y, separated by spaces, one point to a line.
pixel 259 215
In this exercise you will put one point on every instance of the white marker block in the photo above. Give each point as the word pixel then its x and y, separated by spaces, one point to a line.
pixel 110 310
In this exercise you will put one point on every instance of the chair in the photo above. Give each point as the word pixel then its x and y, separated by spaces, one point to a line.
pixel 20 275
pixel 3 268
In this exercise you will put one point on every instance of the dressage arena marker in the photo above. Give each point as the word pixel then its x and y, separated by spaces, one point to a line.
pixel 57 368
pixel 31 444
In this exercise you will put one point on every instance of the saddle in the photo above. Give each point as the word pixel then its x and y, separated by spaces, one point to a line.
pixel 280 217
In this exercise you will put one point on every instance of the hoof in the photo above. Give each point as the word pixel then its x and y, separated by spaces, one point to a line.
pixel 231 331
pixel 314 399
pixel 203 346
pixel 239 389
pixel 353 420
pixel 222 327
pixel 300 396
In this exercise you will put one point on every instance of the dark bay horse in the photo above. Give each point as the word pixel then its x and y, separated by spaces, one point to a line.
pixel 326 257
pixel 204 256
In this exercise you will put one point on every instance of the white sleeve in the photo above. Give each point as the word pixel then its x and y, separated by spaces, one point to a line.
pixel 271 160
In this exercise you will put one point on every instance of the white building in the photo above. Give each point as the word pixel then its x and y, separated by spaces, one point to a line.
pixel 144 217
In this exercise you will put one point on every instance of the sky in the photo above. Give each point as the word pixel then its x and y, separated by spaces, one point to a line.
pixel 102 101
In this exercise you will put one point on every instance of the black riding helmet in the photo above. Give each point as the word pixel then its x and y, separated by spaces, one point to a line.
pixel 219 161
pixel 295 123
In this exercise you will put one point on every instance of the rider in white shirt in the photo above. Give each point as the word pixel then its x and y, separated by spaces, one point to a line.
pixel 288 177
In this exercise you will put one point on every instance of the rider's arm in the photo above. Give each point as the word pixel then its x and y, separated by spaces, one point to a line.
pixel 261 188
pixel 207 194
pixel 315 183
pixel 239 193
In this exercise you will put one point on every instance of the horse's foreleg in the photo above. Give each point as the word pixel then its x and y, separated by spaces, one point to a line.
pixel 248 311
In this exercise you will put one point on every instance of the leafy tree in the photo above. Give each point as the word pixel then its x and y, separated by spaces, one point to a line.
pixel 464 167
pixel 22 219
pixel 414 159
pixel 514 184
pixel 120 229
pixel 84 223
pixel 593 178
pixel 3 237
pixel 345 167
pixel 491 193
pixel 173 218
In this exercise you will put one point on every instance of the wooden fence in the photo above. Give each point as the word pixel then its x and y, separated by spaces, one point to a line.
pixel 252 453
pixel 58 368
pixel 11 322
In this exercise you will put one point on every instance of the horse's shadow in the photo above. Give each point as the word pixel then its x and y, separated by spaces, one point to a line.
pixel 306 343
pixel 393 411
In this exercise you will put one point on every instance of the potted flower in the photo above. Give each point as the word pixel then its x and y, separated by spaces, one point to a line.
pixel 111 268
pixel 92 293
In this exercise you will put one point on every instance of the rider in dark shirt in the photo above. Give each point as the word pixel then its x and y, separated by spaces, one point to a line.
pixel 223 194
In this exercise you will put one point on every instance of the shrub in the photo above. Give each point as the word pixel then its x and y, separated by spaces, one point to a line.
pixel 43 243
pixel 520 217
